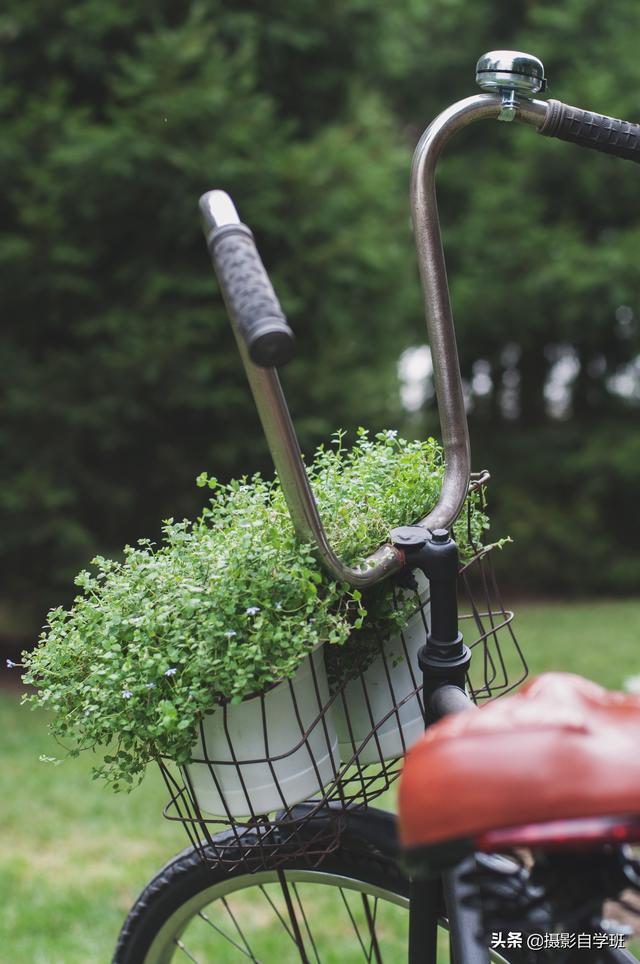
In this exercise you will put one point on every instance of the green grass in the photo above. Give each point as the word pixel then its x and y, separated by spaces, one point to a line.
pixel 600 640
pixel 74 856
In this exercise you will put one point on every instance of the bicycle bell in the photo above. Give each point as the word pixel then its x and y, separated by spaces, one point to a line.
pixel 512 74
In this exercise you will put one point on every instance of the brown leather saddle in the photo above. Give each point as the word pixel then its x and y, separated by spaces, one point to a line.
pixel 557 763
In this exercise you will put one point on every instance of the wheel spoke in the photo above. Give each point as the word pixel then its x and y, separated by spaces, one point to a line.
pixel 248 952
pixel 356 929
pixel 306 924
pixel 263 916
pixel 295 927
pixel 184 950
pixel 277 913
pixel 374 948
pixel 230 940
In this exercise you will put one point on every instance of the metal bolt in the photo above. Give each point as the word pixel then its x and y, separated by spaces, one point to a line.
pixel 409 537
pixel 440 535
pixel 509 107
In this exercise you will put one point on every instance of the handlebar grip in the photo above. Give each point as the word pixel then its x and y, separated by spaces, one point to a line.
pixel 249 296
pixel 583 127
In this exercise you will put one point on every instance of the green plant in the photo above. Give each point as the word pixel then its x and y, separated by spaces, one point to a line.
pixel 226 606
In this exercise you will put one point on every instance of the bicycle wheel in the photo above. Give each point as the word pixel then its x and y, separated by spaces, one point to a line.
pixel 353 908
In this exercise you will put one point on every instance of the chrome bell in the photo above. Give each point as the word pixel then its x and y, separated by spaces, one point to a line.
pixel 501 71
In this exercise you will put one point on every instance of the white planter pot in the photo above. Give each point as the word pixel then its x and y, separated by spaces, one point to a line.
pixel 367 700
pixel 267 728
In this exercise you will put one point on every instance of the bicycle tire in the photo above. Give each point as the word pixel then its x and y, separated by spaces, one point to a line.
pixel 179 891
pixel 366 863
pixel 153 931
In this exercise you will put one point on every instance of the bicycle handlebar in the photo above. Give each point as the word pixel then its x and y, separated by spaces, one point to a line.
pixel 597 131
pixel 247 291
pixel 264 338
pixel 220 219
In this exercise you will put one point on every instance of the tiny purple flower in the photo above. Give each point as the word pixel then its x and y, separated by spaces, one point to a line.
pixel 171 671
pixel 11 664
pixel 278 605
pixel 150 686
pixel 126 694
pixel 252 610
pixel 230 633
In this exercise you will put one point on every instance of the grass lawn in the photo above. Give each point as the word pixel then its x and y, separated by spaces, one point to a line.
pixel 74 855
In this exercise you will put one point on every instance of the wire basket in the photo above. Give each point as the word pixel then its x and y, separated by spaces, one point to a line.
pixel 276 776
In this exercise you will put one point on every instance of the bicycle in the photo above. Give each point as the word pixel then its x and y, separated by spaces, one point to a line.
pixel 459 878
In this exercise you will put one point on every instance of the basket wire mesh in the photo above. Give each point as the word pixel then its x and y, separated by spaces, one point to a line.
pixel 261 815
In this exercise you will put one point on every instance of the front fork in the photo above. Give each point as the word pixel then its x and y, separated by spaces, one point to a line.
pixel 444 661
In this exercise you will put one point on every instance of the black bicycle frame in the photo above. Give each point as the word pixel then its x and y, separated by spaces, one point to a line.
pixel 444 662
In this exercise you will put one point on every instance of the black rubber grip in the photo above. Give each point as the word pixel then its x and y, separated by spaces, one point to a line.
pixel 597 131
pixel 249 296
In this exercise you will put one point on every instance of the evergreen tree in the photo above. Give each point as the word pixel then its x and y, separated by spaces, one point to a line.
pixel 121 380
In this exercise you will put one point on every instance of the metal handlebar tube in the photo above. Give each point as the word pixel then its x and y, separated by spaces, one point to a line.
pixel 220 218
pixel 433 274
pixel 218 212
pixel 221 223
pixel 510 80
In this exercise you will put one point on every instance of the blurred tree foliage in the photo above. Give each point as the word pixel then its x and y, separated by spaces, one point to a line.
pixel 120 377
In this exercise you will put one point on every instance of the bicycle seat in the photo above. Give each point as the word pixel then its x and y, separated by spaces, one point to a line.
pixel 561 749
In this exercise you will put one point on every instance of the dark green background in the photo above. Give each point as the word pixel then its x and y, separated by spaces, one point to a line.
pixel 120 380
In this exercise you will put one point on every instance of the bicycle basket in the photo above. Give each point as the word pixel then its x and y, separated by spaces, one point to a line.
pixel 336 743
